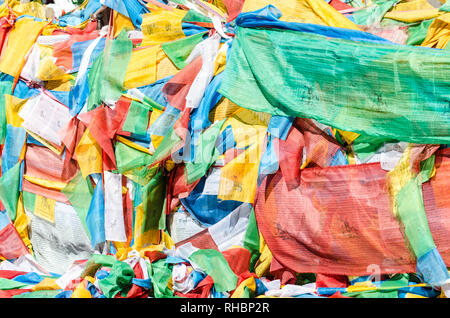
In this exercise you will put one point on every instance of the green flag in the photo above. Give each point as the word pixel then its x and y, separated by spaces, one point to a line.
pixel 215 265
pixel 179 50
pixel 79 192
pixel 160 273
pixel 6 284
pixel 137 119
pixel 108 72
pixel 129 158
pixel 153 195
pixel 413 217
pixel 377 89
pixel 118 280
pixel 206 153
pixel 9 189
pixel 373 13
pixel 251 240
pixel 6 85
pixel 418 32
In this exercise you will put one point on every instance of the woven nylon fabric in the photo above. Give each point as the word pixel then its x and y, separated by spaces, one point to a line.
pixel 368 88
pixel 336 221
pixel 339 220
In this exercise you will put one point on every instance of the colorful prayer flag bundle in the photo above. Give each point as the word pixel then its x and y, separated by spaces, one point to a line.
pixel 224 149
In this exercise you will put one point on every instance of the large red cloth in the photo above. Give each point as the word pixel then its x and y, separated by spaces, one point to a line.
pixel 437 204
pixel 339 219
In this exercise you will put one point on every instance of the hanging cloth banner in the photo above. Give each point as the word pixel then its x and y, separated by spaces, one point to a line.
pixel 339 220
pixel 360 86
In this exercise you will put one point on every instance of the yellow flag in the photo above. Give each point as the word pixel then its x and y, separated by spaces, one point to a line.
pixel 167 240
pixel 32 8
pixel 399 176
pixel 143 239
pixel 45 208
pixel 220 61
pixel 224 109
pixel 412 11
pixel 46 284
pixel 50 184
pixel 142 68
pixel 165 66
pixel 89 155
pixel 132 144
pixel 265 259
pixel 21 224
pixel 53 147
pixel 161 26
pixel 438 33
pixel 249 283
pixel 47 70
pixel 156 140
pixel 121 22
pixel 20 40
pixel 348 136
pixel 238 178
pixel 80 291
pixel 13 105
pixel 410 295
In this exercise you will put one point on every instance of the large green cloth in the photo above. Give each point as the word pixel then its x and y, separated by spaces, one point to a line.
pixel 384 90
